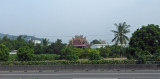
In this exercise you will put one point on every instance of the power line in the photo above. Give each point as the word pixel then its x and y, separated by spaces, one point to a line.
pixel 73 36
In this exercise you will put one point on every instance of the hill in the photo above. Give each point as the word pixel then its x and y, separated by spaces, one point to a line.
pixel 25 37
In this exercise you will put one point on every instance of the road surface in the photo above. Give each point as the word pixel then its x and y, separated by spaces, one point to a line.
pixel 86 75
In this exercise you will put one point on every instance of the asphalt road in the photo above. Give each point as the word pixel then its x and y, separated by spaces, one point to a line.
pixel 88 75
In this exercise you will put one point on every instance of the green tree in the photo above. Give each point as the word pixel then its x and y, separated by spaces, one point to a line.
pixel 20 42
pixel 38 49
pixel 120 34
pixel 104 52
pixel 4 53
pixel 94 54
pixel 84 53
pixel 20 38
pixel 30 44
pixel 25 53
pixel 72 57
pixel 5 38
pixel 70 51
pixel 146 38
pixel 116 51
pixel 156 55
pixel 56 47
pixel 95 42
pixel 45 42
pixel 7 42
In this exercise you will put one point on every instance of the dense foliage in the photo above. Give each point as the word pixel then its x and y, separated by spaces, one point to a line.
pixel 44 57
pixel 114 51
pixel 71 53
pixel 25 53
pixel 145 44
pixel 4 53
pixel 55 48
pixel 144 48
pixel 146 38
pixel 14 44
pixel 93 54
pixel 72 57
pixel 104 52
pixel 69 62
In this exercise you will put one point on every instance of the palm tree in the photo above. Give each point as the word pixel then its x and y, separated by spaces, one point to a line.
pixel 120 37
pixel 45 42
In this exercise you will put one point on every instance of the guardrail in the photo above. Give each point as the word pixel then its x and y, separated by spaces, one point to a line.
pixel 80 68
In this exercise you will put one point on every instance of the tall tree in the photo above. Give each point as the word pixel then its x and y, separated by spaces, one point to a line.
pixel 45 42
pixel 146 38
pixel 120 34
pixel 56 47
pixel 20 42
pixel 120 37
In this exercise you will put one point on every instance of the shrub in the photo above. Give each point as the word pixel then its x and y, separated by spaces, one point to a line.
pixel 25 53
pixel 43 57
pixel 4 53
pixel 12 57
pixel 72 57
pixel 94 54
pixel 116 51
pixel 65 51
pixel 104 52
pixel 131 54
pixel 71 52
pixel 68 62
pixel 156 55
pixel 38 49
pixel 84 53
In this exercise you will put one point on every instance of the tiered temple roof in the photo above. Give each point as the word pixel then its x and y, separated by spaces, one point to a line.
pixel 79 40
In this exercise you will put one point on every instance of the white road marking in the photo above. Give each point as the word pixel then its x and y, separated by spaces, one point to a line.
pixel 95 78
pixel 80 74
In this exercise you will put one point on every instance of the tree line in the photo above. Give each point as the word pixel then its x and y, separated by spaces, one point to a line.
pixel 27 51
pixel 144 46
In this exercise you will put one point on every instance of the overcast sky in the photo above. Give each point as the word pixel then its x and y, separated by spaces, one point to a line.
pixel 65 18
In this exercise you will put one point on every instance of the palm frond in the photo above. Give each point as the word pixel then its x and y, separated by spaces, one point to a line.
pixel 114 31
pixel 127 26
pixel 118 39
pixel 126 31
pixel 125 37
pixel 122 29
pixel 115 38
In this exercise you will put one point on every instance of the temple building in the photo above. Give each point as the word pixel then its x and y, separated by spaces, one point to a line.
pixel 78 41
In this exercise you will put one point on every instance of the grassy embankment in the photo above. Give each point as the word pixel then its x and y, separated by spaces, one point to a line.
pixel 13 58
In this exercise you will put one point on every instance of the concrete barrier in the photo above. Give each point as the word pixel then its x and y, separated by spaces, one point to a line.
pixel 80 68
